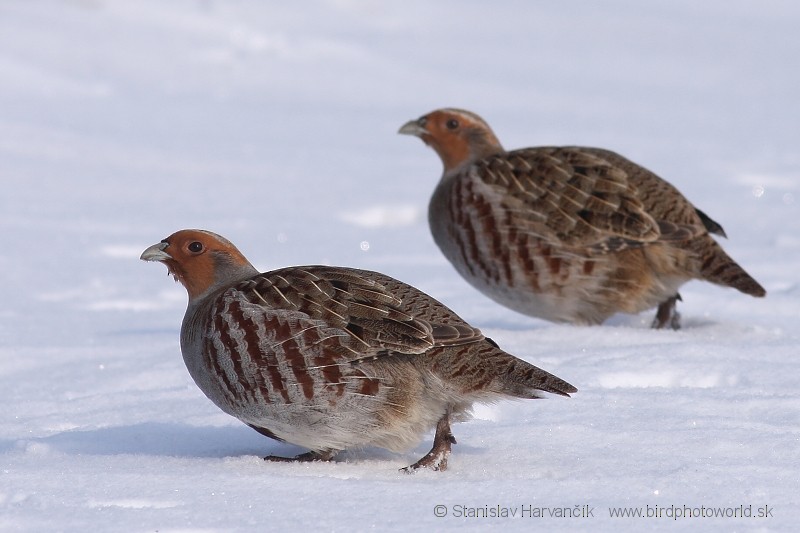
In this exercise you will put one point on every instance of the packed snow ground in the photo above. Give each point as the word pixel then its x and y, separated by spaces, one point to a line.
pixel 274 124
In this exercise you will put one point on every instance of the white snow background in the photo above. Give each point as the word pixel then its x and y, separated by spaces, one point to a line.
pixel 274 124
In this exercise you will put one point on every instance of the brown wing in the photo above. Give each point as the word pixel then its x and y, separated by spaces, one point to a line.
pixel 583 198
pixel 679 218
pixel 309 335
pixel 373 313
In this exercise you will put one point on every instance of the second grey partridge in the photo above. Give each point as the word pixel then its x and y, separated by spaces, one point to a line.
pixel 567 234
pixel 332 358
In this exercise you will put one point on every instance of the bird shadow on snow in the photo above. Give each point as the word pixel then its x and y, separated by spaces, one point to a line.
pixel 164 439
pixel 623 321
pixel 183 440
pixel 643 321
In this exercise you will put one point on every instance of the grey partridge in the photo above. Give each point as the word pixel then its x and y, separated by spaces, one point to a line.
pixel 332 358
pixel 567 234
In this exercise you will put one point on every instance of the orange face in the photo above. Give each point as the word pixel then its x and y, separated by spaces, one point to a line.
pixel 458 136
pixel 196 258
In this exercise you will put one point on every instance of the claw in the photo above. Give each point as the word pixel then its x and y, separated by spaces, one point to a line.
pixel 668 314
pixel 302 458
pixel 436 459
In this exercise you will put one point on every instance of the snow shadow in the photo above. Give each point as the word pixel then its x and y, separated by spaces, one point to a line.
pixel 182 440
pixel 165 439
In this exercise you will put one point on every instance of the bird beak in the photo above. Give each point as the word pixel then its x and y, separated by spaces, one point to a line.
pixel 156 253
pixel 413 127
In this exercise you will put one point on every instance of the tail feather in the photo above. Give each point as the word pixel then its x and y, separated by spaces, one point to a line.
pixel 482 367
pixel 523 380
pixel 527 380
pixel 710 224
pixel 718 267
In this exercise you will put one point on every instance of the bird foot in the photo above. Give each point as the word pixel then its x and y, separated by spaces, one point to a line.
pixel 436 459
pixel 302 458
pixel 667 314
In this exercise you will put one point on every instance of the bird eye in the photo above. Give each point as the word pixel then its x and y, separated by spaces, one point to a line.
pixel 451 124
pixel 196 247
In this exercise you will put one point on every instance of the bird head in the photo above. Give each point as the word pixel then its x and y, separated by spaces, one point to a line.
pixel 200 260
pixel 459 137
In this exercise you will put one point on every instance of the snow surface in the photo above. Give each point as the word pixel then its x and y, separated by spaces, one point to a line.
pixel 274 124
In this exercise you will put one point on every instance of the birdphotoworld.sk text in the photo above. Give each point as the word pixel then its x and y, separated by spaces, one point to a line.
pixel 671 512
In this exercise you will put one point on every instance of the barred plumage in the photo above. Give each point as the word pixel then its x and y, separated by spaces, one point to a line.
pixel 332 358
pixel 568 234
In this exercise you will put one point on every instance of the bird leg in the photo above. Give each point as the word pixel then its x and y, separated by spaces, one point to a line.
pixel 436 459
pixel 303 457
pixel 668 314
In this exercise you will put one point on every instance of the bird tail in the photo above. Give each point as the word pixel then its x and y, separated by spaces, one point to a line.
pixel 718 267
pixel 483 368
pixel 521 379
